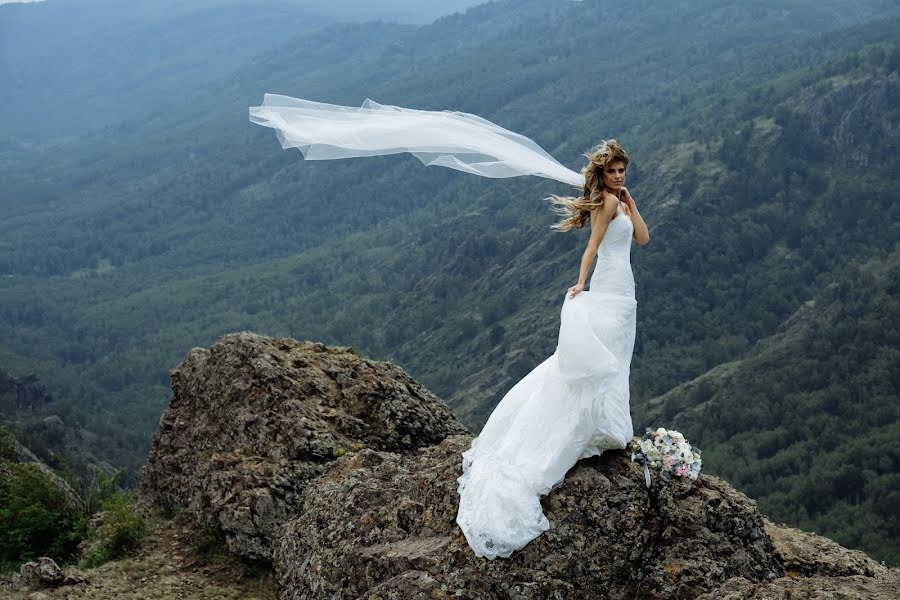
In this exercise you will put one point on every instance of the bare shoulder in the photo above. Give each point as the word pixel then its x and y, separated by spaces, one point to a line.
pixel 606 212
pixel 611 200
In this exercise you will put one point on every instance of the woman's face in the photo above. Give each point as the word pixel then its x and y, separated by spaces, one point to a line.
pixel 614 176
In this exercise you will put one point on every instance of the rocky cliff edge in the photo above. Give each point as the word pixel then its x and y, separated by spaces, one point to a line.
pixel 340 472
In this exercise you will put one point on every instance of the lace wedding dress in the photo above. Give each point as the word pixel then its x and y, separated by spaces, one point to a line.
pixel 572 405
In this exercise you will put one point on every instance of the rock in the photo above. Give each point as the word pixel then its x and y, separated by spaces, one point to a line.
pixel 44 571
pixel 809 554
pixel 23 456
pixel 343 471
pixel 74 577
pixel 54 422
pixel 253 419
pixel 610 537
pixel 854 587
pixel 52 430
pixel 839 116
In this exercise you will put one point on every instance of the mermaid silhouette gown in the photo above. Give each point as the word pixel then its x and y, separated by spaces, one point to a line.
pixel 573 405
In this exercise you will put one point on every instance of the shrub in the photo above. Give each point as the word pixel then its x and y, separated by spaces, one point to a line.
pixel 38 517
pixel 116 527
pixel 7 445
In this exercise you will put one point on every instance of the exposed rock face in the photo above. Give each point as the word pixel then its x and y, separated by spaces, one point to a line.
pixel 816 568
pixel 852 113
pixel 21 457
pixel 44 571
pixel 807 554
pixel 609 538
pixel 253 419
pixel 251 436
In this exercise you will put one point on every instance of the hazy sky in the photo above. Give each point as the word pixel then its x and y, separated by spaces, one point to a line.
pixel 412 10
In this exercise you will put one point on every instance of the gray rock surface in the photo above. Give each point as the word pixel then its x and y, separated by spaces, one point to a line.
pixel 343 471
pixel 253 419
pixel 378 523
pixel 41 572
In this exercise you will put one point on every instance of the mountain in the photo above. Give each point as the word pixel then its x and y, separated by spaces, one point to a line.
pixel 165 231
pixel 404 11
pixel 805 422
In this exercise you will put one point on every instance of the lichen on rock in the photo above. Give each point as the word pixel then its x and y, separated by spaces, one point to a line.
pixel 253 419
pixel 380 520
pixel 342 472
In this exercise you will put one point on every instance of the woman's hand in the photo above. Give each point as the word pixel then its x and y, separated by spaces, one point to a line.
pixel 641 234
pixel 578 287
pixel 626 198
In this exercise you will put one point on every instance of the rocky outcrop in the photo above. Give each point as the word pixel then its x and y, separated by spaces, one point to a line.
pixel 609 538
pixel 44 572
pixel 852 112
pixel 253 419
pixel 807 554
pixel 343 471
pixel 14 458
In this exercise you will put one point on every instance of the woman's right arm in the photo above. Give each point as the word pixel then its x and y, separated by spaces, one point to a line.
pixel 600 219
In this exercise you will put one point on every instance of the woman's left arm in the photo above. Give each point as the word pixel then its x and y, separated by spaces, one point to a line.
pixel 641 233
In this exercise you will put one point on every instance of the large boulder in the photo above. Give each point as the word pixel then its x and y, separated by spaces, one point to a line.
pixel 816 567
pixel 253 419
pixel 379 524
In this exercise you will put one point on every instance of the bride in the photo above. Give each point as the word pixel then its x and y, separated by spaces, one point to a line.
pixel 575 403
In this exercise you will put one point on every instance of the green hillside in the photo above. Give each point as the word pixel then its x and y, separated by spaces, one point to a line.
pixel 807 422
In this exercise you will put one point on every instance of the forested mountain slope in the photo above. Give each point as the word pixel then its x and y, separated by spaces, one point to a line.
pixel 807 421
pixel 763 162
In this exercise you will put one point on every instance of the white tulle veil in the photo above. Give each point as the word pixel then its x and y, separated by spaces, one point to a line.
pixel 453 139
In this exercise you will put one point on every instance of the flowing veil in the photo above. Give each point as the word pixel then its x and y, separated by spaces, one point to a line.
pixel 453 139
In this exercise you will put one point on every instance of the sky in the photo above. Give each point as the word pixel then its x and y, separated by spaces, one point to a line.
pixel 412 10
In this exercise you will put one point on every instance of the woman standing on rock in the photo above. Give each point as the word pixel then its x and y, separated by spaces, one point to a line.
pixel 575 403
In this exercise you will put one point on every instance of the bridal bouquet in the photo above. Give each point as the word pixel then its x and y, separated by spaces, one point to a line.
pixel 668 451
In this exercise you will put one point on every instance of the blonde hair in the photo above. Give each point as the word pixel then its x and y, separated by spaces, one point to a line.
pixel 577 211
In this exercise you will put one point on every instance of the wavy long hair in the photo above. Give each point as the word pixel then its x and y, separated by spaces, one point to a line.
pixel 577 211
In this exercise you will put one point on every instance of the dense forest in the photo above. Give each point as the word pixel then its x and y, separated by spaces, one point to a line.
pixel 807 421
pixel 764 159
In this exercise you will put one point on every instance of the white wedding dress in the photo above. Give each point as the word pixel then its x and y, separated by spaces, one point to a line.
pixel 573 405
